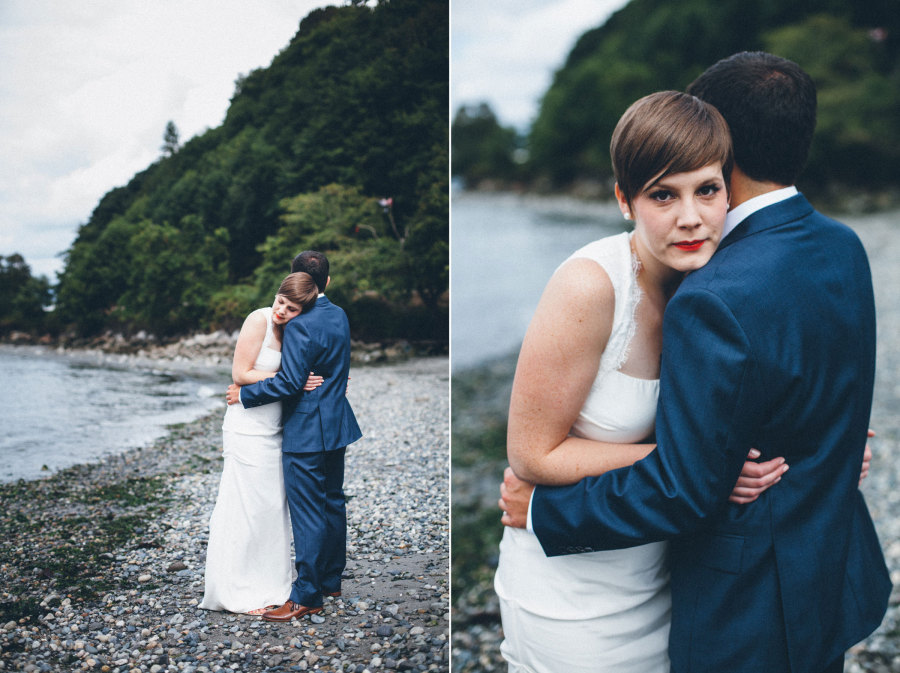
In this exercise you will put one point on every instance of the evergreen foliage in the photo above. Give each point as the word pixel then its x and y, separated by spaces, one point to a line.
pixel 171 142
pixel 353 110
pixel 482 148
pixel 852 51
pixel 23 297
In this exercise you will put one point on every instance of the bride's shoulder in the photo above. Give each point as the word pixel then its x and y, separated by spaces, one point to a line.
pixel 593 265
pixel 582 282
pixel 256 320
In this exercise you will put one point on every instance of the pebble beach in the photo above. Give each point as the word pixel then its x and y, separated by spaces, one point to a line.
pixel 101 565
pixel 480 398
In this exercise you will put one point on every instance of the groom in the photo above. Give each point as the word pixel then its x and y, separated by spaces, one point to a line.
pixel 770 345
pixel 318 426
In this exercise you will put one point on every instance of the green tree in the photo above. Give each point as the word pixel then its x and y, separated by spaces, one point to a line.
pixel 95 276
pixel 23 297
pixel 857 139
pixel 482 148
pixel 570 138
pixel 171 144
pixel 377 276
pixel 174 272
pixel 336 220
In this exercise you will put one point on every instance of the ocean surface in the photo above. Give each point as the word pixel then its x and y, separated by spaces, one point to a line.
pixel 504 249
pixel 60 410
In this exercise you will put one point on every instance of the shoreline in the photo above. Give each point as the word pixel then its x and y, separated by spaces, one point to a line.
pixel 103 563
pixel 837 201
pixel 203 366
pixel 195 352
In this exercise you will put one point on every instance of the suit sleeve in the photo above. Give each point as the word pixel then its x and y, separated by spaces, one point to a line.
pixel 707 408
pixel 298 350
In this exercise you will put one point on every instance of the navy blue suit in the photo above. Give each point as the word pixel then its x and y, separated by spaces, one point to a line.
pixel 770 345
pixel 318 426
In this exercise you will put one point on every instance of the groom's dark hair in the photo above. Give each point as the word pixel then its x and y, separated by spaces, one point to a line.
pixel 315 264
pixel 769 103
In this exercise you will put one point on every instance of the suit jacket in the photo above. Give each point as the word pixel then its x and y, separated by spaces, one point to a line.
pixel 770 345
pixel 317 340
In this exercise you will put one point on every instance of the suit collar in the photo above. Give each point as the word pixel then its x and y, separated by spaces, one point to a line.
pixel 779 213
pixel 744 210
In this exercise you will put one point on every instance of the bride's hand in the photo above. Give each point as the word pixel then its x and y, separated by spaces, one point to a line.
pixel 313 382
pixel 233 394
pixel 867 460
pixel 756 478
pixel 515 495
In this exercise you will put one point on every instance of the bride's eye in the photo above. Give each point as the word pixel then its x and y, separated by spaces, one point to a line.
pixel 661 195
pixel 708 190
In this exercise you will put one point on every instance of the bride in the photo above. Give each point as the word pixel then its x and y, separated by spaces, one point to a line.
pixel 585 393
pixel 248 558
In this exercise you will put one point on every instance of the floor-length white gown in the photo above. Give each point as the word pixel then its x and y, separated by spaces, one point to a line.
pixel 248 559
pixel 600 612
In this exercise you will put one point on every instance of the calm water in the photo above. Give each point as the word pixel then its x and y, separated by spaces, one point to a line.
pixel 504 249
pixel 57 412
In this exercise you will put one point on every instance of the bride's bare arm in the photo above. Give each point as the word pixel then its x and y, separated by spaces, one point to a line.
pixel 557 364
pixel 250 340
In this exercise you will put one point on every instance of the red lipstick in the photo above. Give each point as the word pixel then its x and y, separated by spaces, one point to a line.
pixel 689 246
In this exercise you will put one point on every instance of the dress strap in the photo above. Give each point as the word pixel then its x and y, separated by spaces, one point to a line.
pixel 270 326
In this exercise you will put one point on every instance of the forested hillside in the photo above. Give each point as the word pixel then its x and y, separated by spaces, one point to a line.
pixel 851 49
pixel 339 145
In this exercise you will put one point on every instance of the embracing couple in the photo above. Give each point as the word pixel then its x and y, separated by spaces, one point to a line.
pixel 285 432
pixel 737 323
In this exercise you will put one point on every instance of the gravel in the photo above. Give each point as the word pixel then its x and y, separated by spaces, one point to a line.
pixel 101 566
pixel 476 623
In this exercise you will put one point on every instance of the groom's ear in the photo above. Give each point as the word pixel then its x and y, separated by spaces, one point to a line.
pixel 327 280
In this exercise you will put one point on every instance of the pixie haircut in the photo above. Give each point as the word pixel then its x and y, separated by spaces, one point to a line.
pixel 665 133
pixel 299 288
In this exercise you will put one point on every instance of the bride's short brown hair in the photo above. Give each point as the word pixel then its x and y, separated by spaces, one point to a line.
pixel 299 288
pixel 665 133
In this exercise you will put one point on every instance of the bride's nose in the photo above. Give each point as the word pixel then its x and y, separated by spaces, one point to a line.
pixel 688 215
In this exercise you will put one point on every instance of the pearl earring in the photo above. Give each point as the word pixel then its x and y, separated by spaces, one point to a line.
pixel 627 215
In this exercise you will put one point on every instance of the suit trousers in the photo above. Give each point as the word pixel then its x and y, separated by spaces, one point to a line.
pixel 314 484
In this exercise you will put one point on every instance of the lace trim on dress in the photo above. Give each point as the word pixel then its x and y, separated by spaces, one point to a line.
pixel 623 266
pixel 634 298
pixel 615 256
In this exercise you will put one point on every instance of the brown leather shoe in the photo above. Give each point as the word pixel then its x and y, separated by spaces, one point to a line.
pixel 334 594
pixel 289 611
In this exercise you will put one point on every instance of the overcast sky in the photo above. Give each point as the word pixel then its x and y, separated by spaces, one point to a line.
pixel 505 52
pixel 86 89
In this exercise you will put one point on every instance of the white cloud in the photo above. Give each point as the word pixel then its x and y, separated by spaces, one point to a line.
pixel 86 90
pixel 506 51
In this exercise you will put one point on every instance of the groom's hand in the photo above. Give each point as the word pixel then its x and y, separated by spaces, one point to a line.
pixel 233 396
pixel 515 495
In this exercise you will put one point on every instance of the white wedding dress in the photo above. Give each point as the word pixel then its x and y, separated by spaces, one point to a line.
pixel 600 612
pixel 248 559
